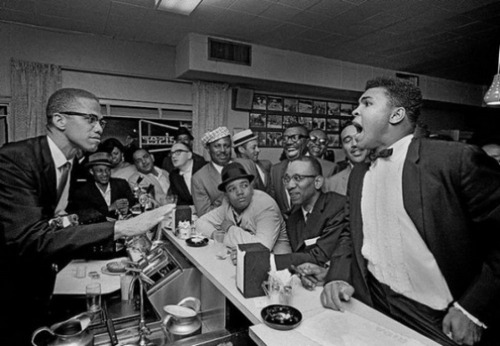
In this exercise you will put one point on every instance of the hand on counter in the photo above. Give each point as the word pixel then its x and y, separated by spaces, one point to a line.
pixel 310 274
pixel 334 293
pixel 233 255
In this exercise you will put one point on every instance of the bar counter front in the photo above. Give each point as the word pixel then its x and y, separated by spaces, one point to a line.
pixel 227 317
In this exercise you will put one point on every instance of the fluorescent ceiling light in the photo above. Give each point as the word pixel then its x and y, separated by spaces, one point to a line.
pixel 184 7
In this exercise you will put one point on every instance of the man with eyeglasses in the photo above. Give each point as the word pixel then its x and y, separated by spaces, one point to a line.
pixel 35 176
pixel 316 219
pixel 317 146
pixel 295 140
pixel 180 177
pixel 182 135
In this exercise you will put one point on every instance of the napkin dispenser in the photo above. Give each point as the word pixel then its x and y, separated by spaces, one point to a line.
pixel 182 213
pixel 252 268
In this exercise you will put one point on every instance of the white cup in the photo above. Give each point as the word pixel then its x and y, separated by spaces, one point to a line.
pixel 93 297
pixel 220 247
pixel 125 281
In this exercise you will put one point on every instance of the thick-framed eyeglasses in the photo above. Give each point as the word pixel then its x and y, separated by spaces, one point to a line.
pixel 293 138
pixel 178 152
pixel 297 178
pixel 318 140
pixel 92 119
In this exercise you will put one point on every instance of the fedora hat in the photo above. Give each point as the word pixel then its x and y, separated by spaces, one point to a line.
pixel 232 172
pixel 99 158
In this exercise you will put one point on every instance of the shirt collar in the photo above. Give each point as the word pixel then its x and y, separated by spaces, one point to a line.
pixel 57 154
pixel 401 146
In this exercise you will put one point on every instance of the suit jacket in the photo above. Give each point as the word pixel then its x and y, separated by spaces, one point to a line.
pixel 325 223
pixel 265 166
pixel 338 182
pixel 178 184
pixel 206 195
pixel 88 201
pixel 278 190
pixel 451 191
pixel 328 168
pixel 28 245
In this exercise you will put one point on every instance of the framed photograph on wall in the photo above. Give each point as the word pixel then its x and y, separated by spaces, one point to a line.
pixel 291 105
pixel 274 138
pixel 274 121
pixel 305 106
pixel 259 102
pixel 257 120
pixel 346 109
pixel 332 125
pixel 261 138
pixel 333 140
pixel 306 121
pixel 319 123
pixel 333 108
pixel 319 107
pixel 274 103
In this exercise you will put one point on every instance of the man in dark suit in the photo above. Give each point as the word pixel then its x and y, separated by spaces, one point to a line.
pixel 317 218
pixel 34 186
pixel 103 196
pixel 423 242
pixel 181 175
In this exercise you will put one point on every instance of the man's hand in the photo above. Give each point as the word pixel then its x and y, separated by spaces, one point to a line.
pixel 460 328
pixel 311 275
pixel 334 293
pixel 121 205
pixel 224 226
pixel 233 255
pixel 141 223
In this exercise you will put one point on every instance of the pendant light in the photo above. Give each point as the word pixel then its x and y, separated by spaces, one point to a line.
pixel 492 97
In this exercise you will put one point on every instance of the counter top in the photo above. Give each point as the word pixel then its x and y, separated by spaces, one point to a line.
pixel 222 273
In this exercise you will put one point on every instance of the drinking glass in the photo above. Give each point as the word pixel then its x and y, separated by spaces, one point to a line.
pixel 93 297
pixel 220 247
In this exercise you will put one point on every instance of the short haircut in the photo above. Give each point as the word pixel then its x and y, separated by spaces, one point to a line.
pixel 136 149
pixel 184 145
pixel 401 93
pixel 313 162
pixel 109 144
pixel 346 125
pixel 61 100
pixel 298 125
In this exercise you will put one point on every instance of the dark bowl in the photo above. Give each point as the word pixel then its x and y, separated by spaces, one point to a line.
pixel 196 241
pixel 281 317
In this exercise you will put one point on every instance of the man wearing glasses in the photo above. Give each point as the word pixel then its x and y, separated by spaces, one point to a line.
pixel 184 168
pixel 295 140
pixel 317 147
pixel 34 184
pixel 316 219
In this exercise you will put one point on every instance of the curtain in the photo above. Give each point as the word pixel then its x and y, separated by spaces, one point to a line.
pixel 31 85
pixel 210 108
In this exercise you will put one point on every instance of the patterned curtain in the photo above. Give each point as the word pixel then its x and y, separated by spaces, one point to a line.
pixel 31 85
pixel 210 108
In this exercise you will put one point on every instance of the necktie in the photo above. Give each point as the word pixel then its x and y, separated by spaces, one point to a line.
pixel 306 216
pixel 64 169
pixel 384 153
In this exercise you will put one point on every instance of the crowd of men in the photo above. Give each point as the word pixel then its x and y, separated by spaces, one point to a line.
pixel 406 224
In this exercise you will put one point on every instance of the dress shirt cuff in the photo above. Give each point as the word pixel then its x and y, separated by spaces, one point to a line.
pixel 466 313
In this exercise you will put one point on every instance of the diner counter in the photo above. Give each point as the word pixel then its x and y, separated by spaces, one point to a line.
pixel 359 325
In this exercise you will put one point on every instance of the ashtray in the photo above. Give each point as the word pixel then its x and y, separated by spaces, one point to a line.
pixel 281 317
pixel 197 241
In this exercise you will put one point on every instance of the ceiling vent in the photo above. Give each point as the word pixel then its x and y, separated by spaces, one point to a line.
pixel 227 51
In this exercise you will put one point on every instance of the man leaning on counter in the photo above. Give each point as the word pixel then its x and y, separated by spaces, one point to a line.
pixel 34 184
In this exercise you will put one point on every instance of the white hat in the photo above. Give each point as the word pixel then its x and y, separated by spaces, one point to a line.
pixel 212 136
pixel 243 137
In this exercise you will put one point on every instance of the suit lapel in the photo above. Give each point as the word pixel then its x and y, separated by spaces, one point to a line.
pixel 49 171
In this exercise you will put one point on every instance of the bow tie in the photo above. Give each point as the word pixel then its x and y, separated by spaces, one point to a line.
pixel 384 153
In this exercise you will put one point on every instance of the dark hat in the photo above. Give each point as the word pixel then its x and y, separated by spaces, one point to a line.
pixel 232 172
pixel 184 131
pixel 99 158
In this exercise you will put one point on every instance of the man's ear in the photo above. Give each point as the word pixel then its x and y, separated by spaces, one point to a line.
pixel 397 116
pixel 153 158
pixel 59 121
pixel 91 171
pixel 318 182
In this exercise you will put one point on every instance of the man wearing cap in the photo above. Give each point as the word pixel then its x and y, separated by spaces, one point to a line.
pixel 149 175
pixel 206 195
pixel 246 146
pixel 103 197
pixel 245 215
pixel 183 135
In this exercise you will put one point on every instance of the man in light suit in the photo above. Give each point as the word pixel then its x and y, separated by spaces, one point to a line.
pixel 423 245
pixel 33 190
pixel 246 146
pixel 204 184
pixel 338 182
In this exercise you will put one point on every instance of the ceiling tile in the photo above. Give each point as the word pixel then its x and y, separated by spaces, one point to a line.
pixel 252 7
pixel 280 12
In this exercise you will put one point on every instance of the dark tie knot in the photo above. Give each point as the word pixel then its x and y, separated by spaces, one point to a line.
pixel 384 153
